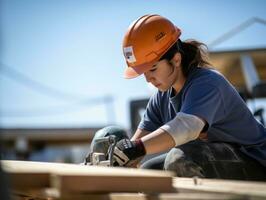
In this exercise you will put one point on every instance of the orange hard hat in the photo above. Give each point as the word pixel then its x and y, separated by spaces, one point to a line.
pixel 146 41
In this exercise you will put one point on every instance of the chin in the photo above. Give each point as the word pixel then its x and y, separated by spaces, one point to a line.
pixel 163 89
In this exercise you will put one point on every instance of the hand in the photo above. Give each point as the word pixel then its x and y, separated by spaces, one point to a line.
pixel 127 151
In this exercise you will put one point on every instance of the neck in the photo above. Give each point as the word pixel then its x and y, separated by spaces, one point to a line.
pixel 179 83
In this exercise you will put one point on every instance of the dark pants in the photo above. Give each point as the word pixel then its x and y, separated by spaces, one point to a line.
pixel 209 160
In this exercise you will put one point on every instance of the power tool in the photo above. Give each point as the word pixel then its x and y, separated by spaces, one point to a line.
pixel 103 144
pixel 100 156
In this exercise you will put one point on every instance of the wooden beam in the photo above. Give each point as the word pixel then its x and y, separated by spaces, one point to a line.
pixel 54 194
pixel 248 188
pixel 92 184
pixel 80 178
pixel 70 181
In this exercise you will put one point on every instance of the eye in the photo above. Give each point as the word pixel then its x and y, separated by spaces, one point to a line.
pixel 152 70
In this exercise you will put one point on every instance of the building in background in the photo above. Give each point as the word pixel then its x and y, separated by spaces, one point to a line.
pixel 68 145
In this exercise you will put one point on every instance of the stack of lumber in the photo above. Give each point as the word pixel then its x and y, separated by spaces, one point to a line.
pixel 40 180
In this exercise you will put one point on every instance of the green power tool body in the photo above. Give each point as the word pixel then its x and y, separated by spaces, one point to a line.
pixel 102 146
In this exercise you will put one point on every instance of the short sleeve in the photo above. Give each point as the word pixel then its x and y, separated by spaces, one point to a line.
pixel 152 119
pixel 204 101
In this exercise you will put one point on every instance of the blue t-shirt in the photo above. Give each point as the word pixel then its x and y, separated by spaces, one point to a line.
pixel 208 95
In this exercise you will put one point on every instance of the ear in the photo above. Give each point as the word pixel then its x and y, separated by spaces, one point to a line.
pixel 176 60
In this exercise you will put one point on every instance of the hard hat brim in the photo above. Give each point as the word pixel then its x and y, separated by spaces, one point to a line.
pixel 133 72
pixel 130 73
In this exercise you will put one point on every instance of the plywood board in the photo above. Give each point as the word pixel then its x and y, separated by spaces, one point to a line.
pixel 102 184
pixel 247 188
pixel 80 178
pixel 134 196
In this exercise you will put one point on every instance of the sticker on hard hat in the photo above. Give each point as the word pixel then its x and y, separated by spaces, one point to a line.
pixel 129 54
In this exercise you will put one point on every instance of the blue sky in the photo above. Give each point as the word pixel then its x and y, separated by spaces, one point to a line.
pixel 75 47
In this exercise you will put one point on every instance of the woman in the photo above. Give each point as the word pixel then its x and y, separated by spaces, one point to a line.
pixel 196 112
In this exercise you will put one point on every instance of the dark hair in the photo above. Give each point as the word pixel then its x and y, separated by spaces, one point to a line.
pixel 193 53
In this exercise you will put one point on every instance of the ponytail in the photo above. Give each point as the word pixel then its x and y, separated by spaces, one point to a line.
pixel 193 53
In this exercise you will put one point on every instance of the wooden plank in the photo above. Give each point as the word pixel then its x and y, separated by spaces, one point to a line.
pixel 79 178
pixel 27 175
pixel 162 196
pixel 81 184
pixel 107 179
pixel 54 194
pixel 248 188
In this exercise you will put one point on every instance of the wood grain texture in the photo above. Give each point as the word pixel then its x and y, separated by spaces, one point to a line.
pixel 79 178
pixel 101 184
pixel 247 188
pixel 69 181
pixel 53 194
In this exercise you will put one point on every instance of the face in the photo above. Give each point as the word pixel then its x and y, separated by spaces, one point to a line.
pixel 162 75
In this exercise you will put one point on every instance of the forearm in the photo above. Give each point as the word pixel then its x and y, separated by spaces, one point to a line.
pixel 157 141
pixel 139 134
pixel 182 129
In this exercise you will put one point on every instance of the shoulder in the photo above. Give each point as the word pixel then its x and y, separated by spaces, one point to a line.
pixel 204 77
pixel 203 81
pixel 210 76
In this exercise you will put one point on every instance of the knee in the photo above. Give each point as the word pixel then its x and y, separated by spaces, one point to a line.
pixel 174 159
pixel 177 162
